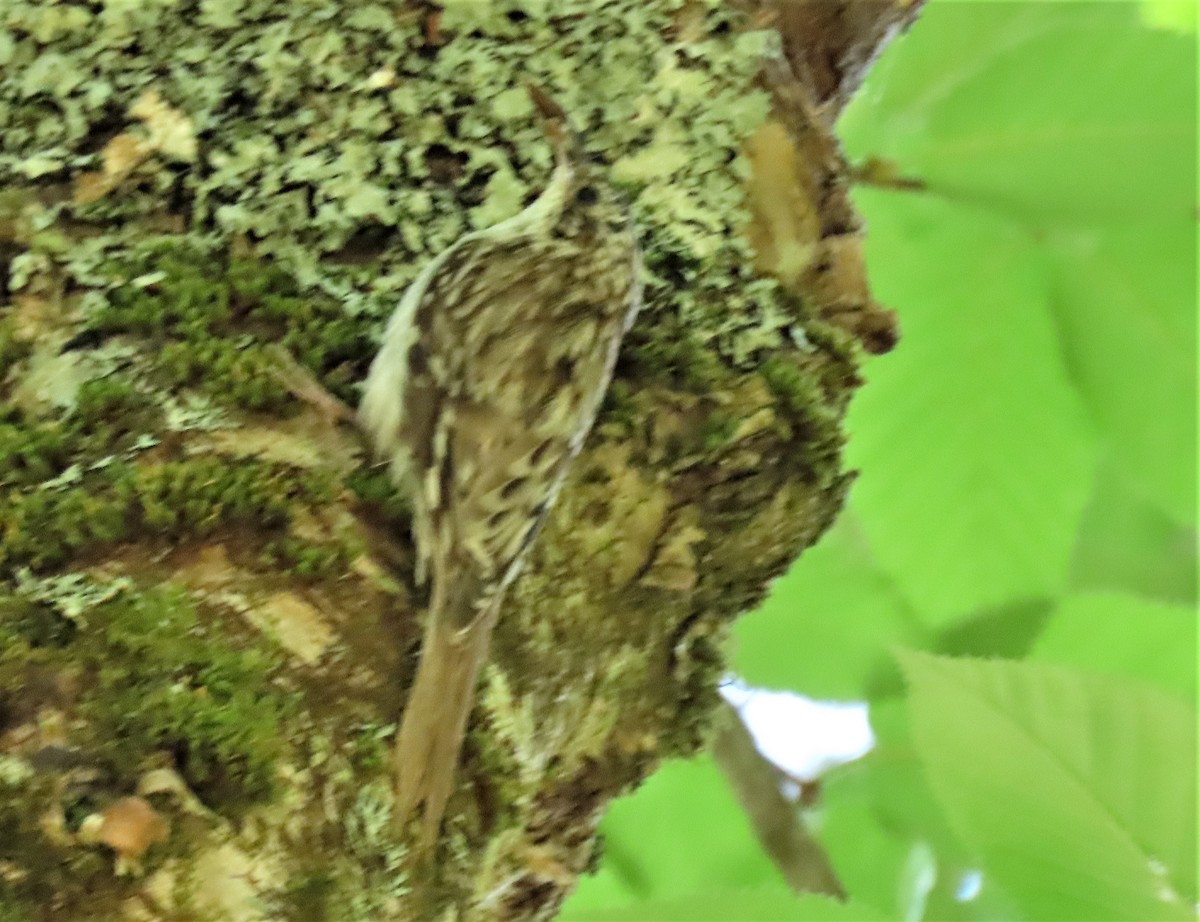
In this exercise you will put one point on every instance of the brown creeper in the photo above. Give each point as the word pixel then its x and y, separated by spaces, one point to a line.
pixel 490 374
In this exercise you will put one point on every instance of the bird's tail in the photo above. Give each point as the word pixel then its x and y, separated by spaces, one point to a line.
pixel 435 720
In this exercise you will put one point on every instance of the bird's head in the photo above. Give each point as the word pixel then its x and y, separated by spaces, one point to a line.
pixel 582 186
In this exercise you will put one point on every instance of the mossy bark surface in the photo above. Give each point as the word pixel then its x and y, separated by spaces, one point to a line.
pixel 208 616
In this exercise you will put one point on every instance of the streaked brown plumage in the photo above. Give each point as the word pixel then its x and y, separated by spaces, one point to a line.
pixel 488 380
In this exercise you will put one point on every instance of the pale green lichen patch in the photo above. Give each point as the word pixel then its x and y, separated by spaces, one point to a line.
pixel 385 138
pixel 365 874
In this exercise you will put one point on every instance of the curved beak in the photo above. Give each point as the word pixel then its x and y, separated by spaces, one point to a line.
pixel 557 126
pixel 545 103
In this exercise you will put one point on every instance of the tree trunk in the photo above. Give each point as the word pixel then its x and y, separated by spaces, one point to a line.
pixel 208 612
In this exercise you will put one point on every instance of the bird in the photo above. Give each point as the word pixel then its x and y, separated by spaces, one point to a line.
pixel 488 379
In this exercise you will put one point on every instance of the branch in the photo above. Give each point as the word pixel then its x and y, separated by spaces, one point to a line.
pixel 776 821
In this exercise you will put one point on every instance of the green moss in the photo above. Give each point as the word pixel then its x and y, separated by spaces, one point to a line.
pixel 77 882
pixel 672 353
pixel 103 399
pixel 45 527
pixel 368 748
pixel 28 625
pixel 30 454
pixel 197 496
pixel 142 678
pixel 306 559
pixel 12 350
pixel 373 486
pixel 10 910
pixel 307 897
pixel 215 319
pixel 109 416
pixel 719 428
pixel 815 422
pixel 797 391
pixel 168 680
pixel 233 374
pixel 155 677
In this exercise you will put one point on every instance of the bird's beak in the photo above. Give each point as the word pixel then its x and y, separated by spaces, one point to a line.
pixel 554 120
pixel 550 110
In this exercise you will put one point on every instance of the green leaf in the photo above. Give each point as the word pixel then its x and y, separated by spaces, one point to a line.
pixel 1007 630
pixel 869 854
pixel 888 838
pixel 1124 299
pixel 1175 15
pixel 1128 545
pixel 1079 792
pixel 1077 122
pixel 844 614
pixel 1064 112
pixel 1125 635
pixel 681 833
pixel 733 907
pixel 976 458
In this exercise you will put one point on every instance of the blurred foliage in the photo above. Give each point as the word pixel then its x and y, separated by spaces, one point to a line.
pixel 1026 513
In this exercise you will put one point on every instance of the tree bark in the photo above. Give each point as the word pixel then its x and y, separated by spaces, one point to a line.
pixel 208 615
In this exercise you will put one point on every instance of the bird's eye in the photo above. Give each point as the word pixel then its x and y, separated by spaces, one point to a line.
pixel 587 195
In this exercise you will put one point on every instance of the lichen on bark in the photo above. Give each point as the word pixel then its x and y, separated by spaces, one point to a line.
pixel 200 581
